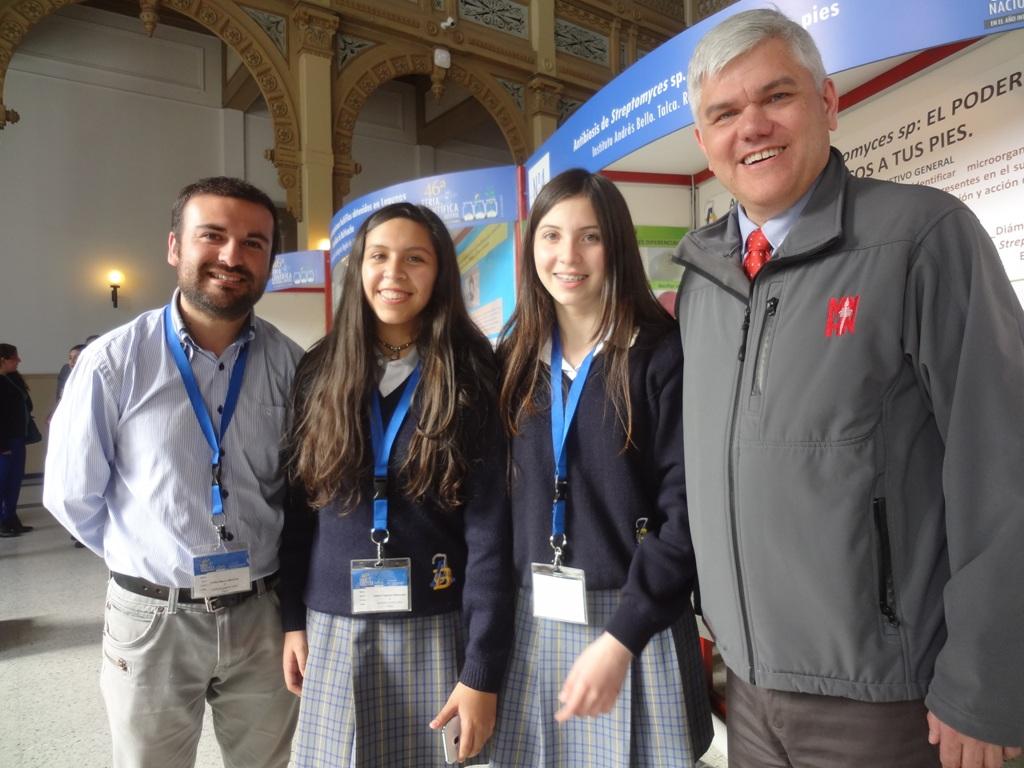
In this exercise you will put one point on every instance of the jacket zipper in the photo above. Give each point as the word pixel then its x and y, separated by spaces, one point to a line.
pixel 741 355
pixel 886 587
pixel 761 365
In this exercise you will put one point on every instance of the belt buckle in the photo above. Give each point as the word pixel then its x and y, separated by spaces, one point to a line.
pixel 213 604
pixel 226 601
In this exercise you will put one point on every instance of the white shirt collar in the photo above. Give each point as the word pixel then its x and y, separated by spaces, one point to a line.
pixel 394 372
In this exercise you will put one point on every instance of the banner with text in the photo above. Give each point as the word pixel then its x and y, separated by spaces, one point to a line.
pixel 956 128
pixel 649 99
pixel 460 199
pixel 298 269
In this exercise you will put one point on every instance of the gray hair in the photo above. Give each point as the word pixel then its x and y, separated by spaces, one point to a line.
pixel 741 33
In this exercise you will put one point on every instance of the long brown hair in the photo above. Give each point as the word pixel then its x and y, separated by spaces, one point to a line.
pixel 330 452
pixel 628 304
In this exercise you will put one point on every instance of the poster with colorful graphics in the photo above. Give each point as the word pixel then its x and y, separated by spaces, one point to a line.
pixel 657 244
pixel 487 264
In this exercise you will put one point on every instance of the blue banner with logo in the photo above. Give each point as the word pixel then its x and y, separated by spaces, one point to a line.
pixel 298 269
pixel 462 199
pixel 649 99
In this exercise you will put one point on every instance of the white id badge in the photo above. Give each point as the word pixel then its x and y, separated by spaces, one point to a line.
pixel 559 594
pixel 221 570
pixel 381 586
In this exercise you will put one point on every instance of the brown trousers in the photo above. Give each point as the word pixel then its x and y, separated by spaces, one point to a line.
pixel 780 729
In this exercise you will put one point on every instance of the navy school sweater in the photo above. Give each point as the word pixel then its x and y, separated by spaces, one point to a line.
pixel 614 494
pixel 317 547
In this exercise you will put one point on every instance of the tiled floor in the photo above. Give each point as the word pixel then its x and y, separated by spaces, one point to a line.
pixel 51 618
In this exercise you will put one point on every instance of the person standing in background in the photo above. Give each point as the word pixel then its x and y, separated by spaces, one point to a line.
pixel 65 370
pixel 15 416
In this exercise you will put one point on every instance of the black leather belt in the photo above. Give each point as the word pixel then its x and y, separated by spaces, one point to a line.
pixel 138 586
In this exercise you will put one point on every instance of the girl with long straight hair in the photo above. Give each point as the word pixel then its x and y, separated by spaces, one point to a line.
pixel 394 589
pixel 591 395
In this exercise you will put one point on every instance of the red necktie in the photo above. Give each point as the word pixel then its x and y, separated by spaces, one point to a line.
pixel 759 250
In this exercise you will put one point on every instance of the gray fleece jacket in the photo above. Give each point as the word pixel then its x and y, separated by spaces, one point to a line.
pixel 854 436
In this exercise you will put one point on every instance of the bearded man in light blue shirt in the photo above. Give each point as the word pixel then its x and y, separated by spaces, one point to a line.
pixel 164 461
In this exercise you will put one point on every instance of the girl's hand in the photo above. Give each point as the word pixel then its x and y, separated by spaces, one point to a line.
pixel 477 710
pixel 595 679
pixel 294 660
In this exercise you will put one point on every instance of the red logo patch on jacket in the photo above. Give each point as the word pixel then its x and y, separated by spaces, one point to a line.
pixel 842 315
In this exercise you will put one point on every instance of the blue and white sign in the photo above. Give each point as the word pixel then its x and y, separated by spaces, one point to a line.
pixel 462 199
pixel 649 99
pixel 297 269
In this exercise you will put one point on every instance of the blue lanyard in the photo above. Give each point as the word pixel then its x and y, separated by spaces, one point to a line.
pixel 203 415
pixel 382 444
pixel 561 423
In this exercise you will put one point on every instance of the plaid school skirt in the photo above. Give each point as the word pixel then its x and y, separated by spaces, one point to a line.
pixel 372 686
pixel 661 718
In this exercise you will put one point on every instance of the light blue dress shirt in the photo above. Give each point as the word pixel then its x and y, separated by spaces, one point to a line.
pixel 128 468
pixel 774 229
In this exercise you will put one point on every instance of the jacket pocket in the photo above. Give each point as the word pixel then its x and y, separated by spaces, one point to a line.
pixel 886 585
pixel 762 355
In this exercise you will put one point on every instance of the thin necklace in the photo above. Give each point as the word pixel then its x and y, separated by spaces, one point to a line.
pixel 395 350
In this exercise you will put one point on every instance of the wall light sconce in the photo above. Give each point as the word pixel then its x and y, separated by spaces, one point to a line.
pixel 116 278
pixel 324 244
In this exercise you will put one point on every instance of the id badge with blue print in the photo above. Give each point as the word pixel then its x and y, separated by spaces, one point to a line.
pixel 381 586
pixel 222 570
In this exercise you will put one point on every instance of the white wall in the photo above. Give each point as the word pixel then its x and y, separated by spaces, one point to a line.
pixel 298 315
pixel 658 204
pixel 112 126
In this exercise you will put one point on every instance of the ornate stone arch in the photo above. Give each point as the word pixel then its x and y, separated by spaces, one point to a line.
pixel 376 66
pixel 234 27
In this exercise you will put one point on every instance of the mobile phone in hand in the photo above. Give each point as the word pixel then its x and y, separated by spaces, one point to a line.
pixel 451 735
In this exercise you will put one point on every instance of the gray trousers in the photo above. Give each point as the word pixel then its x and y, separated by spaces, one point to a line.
pixel 780 729
pixel 163 661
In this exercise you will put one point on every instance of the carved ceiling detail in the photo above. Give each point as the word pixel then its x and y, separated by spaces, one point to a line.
pixel 385 63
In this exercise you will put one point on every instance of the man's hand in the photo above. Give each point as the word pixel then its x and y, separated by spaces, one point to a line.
pixel 294 660
pixel 477 710
pixel 595 679
pixel 957 750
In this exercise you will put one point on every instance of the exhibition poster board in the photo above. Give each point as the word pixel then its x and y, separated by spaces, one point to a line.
pixel 657 244
pixel 297 269
pixel 957 128
pixel 649 99
pixel 487 264
pixel 479 208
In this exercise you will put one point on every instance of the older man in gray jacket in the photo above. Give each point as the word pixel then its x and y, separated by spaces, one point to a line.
pixel 854 436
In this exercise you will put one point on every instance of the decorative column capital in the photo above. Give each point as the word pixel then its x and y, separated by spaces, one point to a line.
pixel 544 95
pixel 315 27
